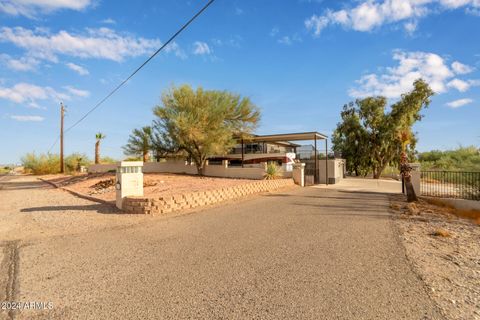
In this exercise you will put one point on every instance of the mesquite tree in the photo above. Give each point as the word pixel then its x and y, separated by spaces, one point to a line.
pixel 205 122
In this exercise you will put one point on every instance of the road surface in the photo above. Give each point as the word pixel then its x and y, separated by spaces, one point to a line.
pixel 301 254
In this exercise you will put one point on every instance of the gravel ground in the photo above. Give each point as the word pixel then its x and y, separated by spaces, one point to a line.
pixel 155 184
pixel 307 253
pixel 445 252
pixel 30 209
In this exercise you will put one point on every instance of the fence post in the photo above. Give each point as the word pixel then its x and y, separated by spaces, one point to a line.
pixel 415 176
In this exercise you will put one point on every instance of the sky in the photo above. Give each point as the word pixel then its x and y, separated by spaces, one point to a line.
pixel 299 61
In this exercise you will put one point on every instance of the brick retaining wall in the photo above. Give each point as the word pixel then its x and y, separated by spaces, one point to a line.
pixel 165 205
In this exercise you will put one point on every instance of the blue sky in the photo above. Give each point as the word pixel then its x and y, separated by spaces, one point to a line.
pixel 300 61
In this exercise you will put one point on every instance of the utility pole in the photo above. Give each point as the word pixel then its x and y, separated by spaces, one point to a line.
pixel 62 114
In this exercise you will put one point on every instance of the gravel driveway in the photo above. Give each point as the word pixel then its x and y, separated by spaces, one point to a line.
pixel 306 254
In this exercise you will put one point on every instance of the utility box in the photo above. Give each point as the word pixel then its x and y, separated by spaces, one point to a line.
pixel 129 180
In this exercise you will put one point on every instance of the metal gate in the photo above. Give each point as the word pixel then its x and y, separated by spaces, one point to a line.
pixel 311 177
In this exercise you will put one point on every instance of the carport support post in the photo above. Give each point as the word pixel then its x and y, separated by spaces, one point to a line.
pixel 315 176
pixel 243 153
pixel 326 161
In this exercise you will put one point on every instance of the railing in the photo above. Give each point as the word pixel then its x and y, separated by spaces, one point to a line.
pixel 450 184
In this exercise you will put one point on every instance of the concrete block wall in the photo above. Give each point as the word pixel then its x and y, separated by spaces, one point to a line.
pixel 166 205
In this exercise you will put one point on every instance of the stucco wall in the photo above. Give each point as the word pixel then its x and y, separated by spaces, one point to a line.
pixel 175 166
pixel 102 168
pixel 335 170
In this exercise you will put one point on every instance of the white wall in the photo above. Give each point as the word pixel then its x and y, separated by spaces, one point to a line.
pixel 335 170
pixel 102 168
pixel 176 166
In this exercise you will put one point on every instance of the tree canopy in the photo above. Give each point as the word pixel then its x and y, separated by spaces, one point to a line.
pixel 205 122
pixel 139 143
pixel 369 137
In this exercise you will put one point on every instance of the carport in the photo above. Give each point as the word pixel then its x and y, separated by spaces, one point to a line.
pixel 289 137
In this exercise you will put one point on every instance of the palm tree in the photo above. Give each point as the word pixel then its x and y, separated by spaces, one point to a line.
pixel 98 137
pixel 139 143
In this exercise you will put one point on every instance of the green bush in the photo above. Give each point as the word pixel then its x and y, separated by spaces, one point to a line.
pixel 74 161
pixel 107 160
pixel 460 159
pixel 273 171
pixel 50 163
pixel 41 164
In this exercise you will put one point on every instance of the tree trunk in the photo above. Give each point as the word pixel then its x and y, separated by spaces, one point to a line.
pixel 145 157
pixel 377 171
pixel 411 196
pixel 97 152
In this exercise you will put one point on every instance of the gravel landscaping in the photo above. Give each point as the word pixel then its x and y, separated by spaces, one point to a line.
pixel 155 184
pixel 444 251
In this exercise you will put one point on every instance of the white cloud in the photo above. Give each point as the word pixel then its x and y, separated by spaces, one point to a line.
pixel 109 21
pixel 102 43
pixel 78 69
pixel 462 85
pixel 458 84
pixel 410 66
pixel 201 48
pixel 370 14
pixel 77 92
pixel 175 48
pixel 458 103
pixel 30 8
pixel 274 31
pixel 289 40
pixel 27 118
pixel 21 64
pixel 460 68
pixel 29 94
pixel 316 24
pixel 410 27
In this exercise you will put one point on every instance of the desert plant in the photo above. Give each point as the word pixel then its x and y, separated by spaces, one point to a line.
pixel 75 161
pixel 139 143
pixel 273 171
pixel 205 122
pixel 108 160
pixel 41 164
pixel 98 137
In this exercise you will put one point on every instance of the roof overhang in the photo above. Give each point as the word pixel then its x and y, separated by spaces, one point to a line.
pixel 301 136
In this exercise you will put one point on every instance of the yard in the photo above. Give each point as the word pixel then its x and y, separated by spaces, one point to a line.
pixel 102 185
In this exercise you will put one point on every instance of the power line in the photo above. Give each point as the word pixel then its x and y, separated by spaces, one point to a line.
pixel 139 68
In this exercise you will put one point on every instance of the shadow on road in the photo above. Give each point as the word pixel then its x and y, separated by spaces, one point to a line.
pixel 99 208
pixel 23 185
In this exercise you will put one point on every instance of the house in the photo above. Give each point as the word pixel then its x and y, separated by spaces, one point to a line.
pixel 257 150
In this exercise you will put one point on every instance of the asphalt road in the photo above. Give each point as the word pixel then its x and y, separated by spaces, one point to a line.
pixel 303 254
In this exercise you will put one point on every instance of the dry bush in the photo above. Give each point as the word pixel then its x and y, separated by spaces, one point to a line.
pixel 441 233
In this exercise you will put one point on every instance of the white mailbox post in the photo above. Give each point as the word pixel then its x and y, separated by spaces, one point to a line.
pixel 129 180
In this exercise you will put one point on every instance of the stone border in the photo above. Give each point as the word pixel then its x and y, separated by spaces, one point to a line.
pixel 166 205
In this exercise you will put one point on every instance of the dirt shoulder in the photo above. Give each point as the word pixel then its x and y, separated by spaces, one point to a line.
pixel 444 250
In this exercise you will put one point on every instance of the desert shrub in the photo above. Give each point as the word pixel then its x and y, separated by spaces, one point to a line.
pixel 108 160
pixel 133 159
pixel 461 159
pixel 74 161
pixel 41 164
pixel 273 171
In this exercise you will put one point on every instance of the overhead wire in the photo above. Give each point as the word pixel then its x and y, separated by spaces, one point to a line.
pixel 184 26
